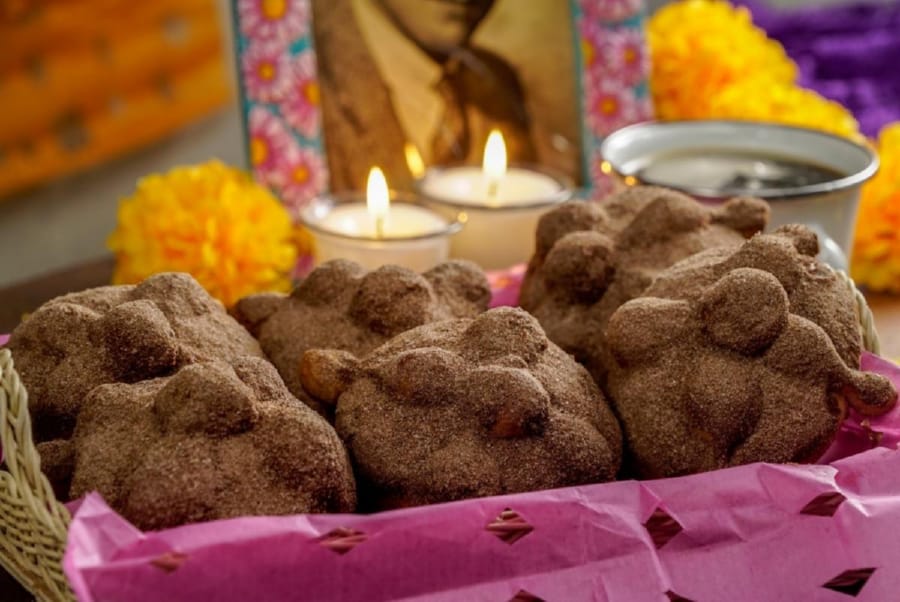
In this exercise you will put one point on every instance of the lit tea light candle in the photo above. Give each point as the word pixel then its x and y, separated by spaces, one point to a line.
pixel 500 205
pixel 377 231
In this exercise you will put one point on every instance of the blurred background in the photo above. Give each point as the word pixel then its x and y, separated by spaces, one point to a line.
pixel 93 95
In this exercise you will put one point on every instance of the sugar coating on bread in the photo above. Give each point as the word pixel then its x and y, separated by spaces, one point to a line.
pixel 730 375
pixel 467 408
pixel 814 291
pixel 109 334
pixel 215 440
pixel 591 258
pixel 342 306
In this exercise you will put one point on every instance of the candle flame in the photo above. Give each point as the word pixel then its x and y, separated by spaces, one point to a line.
pixel 495 156
pixel 378 200
pixel 414 160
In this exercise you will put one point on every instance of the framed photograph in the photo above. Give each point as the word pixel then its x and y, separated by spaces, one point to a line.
pixel 332 87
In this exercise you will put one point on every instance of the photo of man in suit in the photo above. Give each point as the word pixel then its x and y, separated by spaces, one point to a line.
pixel 395 73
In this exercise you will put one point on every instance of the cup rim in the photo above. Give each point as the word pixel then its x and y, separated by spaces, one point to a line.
pixel 397 197
pixel 851 180
pixel 566 190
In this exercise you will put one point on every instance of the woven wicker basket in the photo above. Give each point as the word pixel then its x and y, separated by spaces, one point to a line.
pixel 33 524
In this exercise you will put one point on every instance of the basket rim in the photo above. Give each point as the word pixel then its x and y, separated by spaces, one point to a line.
pixel 39 568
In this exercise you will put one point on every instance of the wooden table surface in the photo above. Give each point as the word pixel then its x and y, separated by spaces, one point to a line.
pixel 22 298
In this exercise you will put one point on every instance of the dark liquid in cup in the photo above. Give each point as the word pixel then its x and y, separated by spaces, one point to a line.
pixel 728 170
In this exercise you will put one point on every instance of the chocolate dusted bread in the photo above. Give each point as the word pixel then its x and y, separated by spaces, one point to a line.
pixel 213 441
pixel 342 306
pixel 466 408
pixel 590 258
pixel 814 290
pixel 729 375
pixel 110 334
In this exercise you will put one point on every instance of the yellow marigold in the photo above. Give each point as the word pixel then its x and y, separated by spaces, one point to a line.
pixel 210 220
pixel 699 47
pixel 760 99
pixel 876 251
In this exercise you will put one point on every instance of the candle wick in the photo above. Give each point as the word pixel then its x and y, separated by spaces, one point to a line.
pixel 493 185
pixel 379 227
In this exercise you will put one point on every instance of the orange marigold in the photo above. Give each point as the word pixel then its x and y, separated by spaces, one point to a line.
pixel 700 47
pixel 210 220
pixel 876 250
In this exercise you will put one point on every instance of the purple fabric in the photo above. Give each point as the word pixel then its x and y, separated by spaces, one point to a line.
pixel 850 54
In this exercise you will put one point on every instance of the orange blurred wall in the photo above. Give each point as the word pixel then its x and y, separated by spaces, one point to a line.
pixel 84 81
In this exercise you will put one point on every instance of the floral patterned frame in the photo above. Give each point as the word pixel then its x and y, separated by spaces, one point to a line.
pixel 280 94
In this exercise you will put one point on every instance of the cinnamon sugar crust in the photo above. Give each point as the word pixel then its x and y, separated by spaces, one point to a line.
pixel 342 306
pixel 467 408
pixel 592 257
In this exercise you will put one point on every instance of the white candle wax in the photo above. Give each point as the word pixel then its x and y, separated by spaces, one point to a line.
pixel 402 221
pixel 411 236
pixel 470 186
pixel 499 228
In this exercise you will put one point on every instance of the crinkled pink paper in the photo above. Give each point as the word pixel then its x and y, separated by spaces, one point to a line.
pixel 506 284
pixel 739 535
pixel 753 533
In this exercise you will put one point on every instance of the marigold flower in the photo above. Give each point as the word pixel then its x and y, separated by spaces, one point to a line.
pixel 700 47
pixel 210 220
pixel 760 99
pixel 876 252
